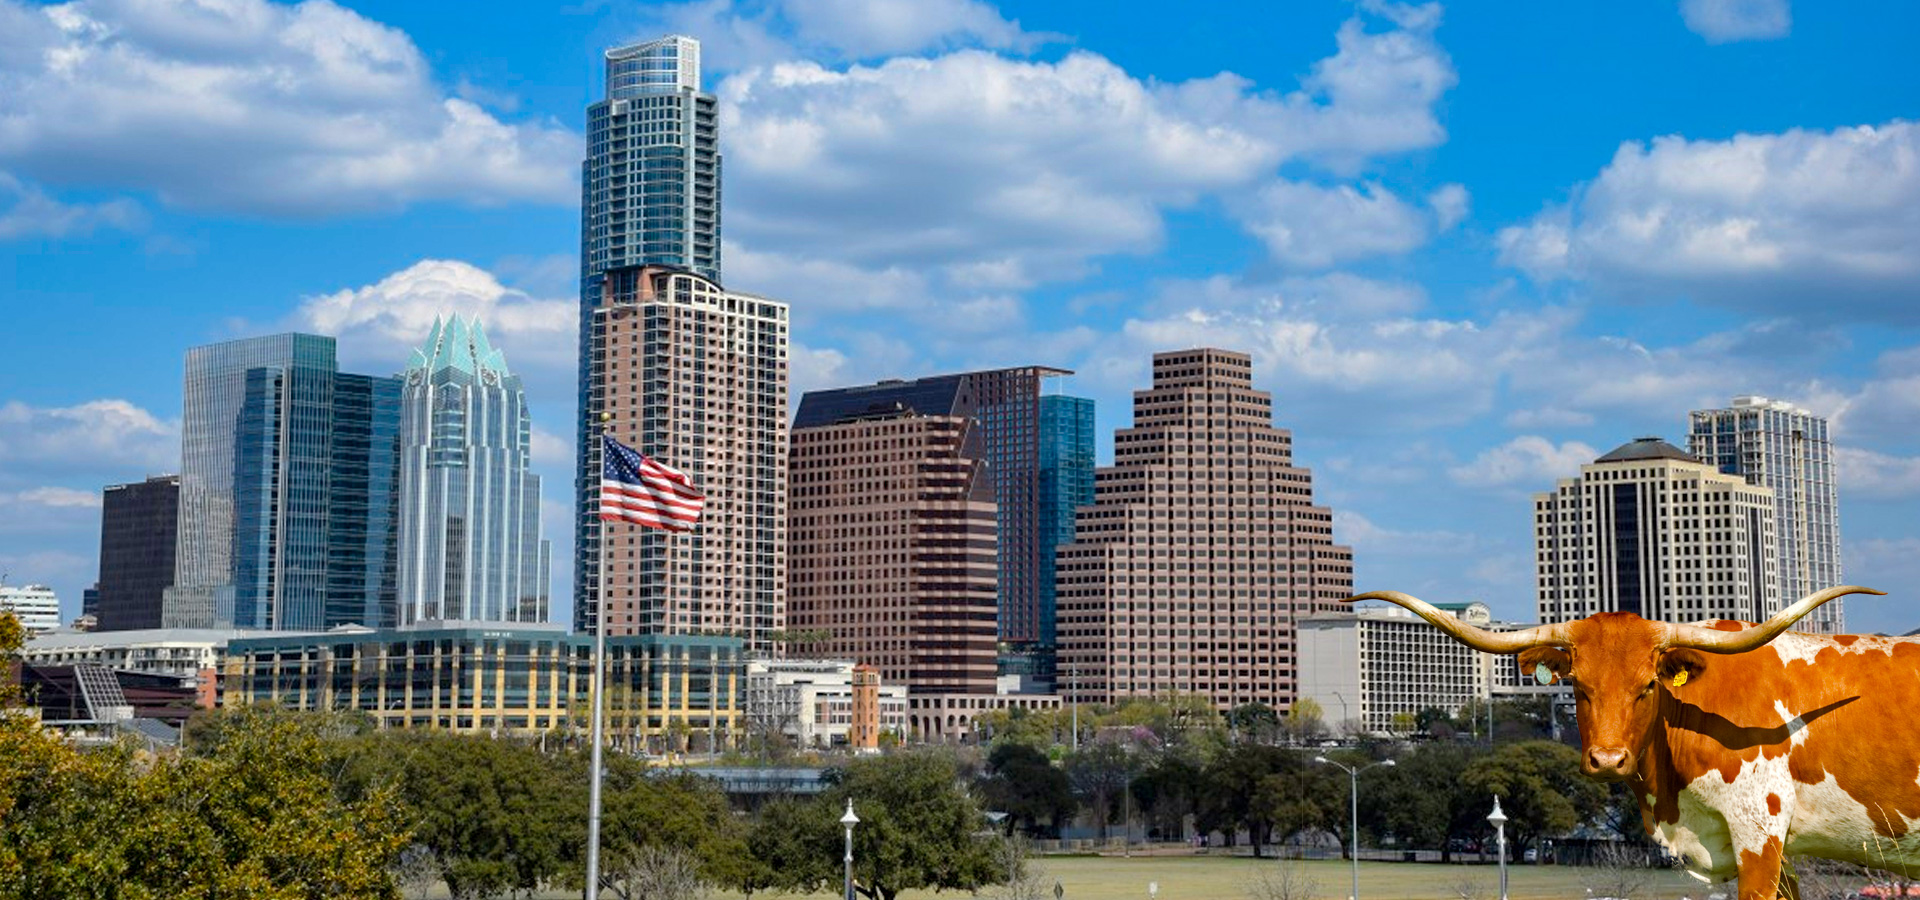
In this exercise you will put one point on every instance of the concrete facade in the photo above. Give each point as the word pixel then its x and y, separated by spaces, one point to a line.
pixel 892 553
pixel 1651 530
pixel 1202 549
pixel 819 702
pixel 696 377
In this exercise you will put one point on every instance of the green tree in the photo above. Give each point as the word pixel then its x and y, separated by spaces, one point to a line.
pixel 793 846
pixel 1421 801
pixel 1100 772
pixel 1540 786
pixel 1255 721
pixel 1233 780
pixel 255 814
pixel 919 828
pixel 495 815
pixel 643 814
pixel 1025 784
pixel 1306 722
pixel 1169 790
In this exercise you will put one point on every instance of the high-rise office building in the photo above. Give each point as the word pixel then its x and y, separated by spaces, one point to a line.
pixel 1039 448
pixel 891 536
pixel 470 545
pixel 137 538
pixel 1784 447
pixel 1651 530
pixel 286 483
pixel 1201 550
pixel 696 377
pixel 1065 483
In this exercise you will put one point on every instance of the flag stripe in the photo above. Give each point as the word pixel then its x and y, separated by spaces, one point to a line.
pixel 644 491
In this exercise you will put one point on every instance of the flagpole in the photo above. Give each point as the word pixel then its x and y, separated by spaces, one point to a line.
pixel 599 665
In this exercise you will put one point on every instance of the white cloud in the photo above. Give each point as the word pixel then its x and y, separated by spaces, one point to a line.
pixel 550 449
pixel 736 34
pixel 1314 227
pixel 1528 461
pixel 1450 204
pixel 32 213
pixel 305 109
pixel 868 28
pixel 1758 222
pixel 379 323
pixel 1355 530
pixel 999 173
pixel 1548 417
pixel 1871 475
pixel 99 435
pixel 53 497
pixel 1721 21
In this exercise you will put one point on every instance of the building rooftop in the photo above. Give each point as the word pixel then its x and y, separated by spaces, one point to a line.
pixel 1646 448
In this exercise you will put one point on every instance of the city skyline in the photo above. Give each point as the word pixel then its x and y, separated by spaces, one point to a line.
pixel 1415 219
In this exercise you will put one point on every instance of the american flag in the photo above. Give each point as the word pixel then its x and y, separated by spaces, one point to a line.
pixel 646 492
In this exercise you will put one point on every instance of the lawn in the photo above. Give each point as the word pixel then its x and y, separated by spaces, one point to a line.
pixel 1227 877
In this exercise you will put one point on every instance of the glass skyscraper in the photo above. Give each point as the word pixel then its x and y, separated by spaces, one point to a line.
pixel 1784 447
pixel 1065 482
pixel 470 545
pixel 265 540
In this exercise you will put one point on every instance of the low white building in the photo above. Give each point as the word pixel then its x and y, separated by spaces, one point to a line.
pixel 36 606
pixel 165 651
pixel 811 700
pixel 1383 661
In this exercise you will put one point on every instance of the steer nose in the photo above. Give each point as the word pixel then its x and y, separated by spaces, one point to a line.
pixel 1607 760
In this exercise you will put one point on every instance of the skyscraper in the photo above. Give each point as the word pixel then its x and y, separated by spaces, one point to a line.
pixel 1201 550
pixel 470 545
pixel 891 533
pixel 266 537
pixel 1651 530
pixel 137 538
pixel 695 376
pixel 650 192
pixel 1039 448
pixel 1784 447
pixel 688 371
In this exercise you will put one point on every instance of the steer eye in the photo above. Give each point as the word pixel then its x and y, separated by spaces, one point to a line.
pixel 1651 685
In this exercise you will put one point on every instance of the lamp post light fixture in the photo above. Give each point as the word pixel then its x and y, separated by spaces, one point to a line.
pixel 1499 820
pixel 849 820
pixel 1353 796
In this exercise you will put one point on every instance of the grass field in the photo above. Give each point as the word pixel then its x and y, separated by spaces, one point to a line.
pixel 1227 878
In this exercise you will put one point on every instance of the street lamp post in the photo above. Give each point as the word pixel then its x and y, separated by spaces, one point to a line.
pixel 1499 820
pixel 1353 826
pixel 849 820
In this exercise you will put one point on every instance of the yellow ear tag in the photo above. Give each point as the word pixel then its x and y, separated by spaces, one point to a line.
pixel 1680 678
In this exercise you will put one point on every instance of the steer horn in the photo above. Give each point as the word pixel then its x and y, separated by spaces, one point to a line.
pixel 1472 636
pixel 1714 641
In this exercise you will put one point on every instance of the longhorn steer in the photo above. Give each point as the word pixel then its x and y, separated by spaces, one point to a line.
pixel 1742 744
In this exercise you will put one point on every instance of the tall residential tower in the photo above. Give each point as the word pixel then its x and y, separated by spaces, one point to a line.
pixel 682 369
pixel 1784 447
pixel 470 545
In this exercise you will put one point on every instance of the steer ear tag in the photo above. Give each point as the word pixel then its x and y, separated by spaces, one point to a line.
pixel 1680 678
pixel 1543 674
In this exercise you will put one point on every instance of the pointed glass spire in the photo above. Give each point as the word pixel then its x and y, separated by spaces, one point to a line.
pixel 458 343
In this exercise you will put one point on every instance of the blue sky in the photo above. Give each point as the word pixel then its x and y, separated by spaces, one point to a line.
pixel 1470 248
